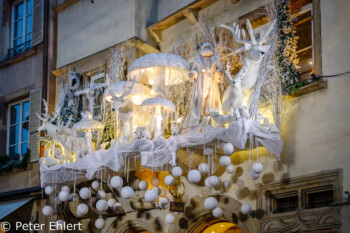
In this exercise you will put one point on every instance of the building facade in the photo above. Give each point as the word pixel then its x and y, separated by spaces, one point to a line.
pixel 306 191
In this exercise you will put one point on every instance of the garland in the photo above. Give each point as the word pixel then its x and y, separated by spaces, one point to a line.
pixel 16 161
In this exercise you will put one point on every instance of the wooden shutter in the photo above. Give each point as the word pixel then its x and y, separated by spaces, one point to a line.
pixel 34 123
pixel 38 22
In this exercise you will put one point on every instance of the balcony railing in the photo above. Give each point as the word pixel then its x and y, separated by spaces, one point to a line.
pixel 19 49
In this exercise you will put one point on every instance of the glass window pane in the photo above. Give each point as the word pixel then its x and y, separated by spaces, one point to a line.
pixel 17 42
pixel 99 80
pixel 305 61
pixel 24 148
pixel 320 199
pixel 14 114
pixel 19 11
pixel 28 37
pixel 286 204
pixel 13 150
pixel 303 30
pixel 25 111
pixel 25 131
pixel 18 28
pixel 14 134
pixel 29 7
pixel 29 23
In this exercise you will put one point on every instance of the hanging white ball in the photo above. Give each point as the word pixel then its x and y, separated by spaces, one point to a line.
pixel 154 181
pixel 246 209
pixel 85 193
pixel 227 184
pixel 163 201
pixel 213 181
pixel 253 175
pixel 74 197
pixel 117 206
pixel 217 212
pixel 156 190
pixel 63 196
pixel 177 171
pixel 99 223
pixel 95 184
pixel 57 201
pixel 151 196
pixel 101 205
pixel 206 183
pixel 111 202
pixel 116 182
pixel 65 188
pixel 170 218
pixel 203 168
pixel 228 148
pixel 240 183
pixel 230 169
pixel 169 180
pixel 82 209
pixel 143 185
pixel 49 190
pixel 194 176
pixel 59 225
pixel 101 194
pixel 225 160
pixel 127 192
pixel 47 211
pixel 135 184
pixel 257 167
pixel 210 203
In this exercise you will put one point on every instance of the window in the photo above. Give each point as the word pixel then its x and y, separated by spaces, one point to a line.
pixel 302 21
pixel 98 94
pixel 18 128
pixel 285 203
pixel 320 197
pixel 21 26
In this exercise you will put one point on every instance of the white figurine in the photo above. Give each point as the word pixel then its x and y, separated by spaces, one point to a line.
pixel 233 95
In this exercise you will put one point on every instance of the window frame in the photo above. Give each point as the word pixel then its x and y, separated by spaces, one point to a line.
pixel 20 102
pixel 13 7
pixel 92 105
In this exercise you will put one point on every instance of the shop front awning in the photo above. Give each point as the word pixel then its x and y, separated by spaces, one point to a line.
pixel 8 207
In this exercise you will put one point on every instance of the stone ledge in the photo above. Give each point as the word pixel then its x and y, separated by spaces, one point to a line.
pixel 314 86
pixel 18 57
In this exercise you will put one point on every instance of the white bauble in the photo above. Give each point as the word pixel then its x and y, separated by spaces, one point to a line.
pixel 227 184
pixel 74 197
pixel 85 193
pixel 135 184
pixel 143 185
pixel 225 160
pixel 246 209
pixel 95 184
pixel 156 190
pixel 257 168
pixel 228 148
pixel 203 168
pixel 210 203
pixel 206 183
pixel 253 175
pixel 99 223
pixel 47 211
pixel 49 190
pixel 154 181
pixel 240 183
pixel 217 212
pixel 57 201
pixel 101 194
pixel 170 218
pixel 82 209
pixel 101 205
pixel 117 206
pixel 169 180
pixel 127 192
pixel 59 225
pixel 177 171
pixel 151 196
pixel 163 201
pixel 230 169
pixel 214 180
pixel 63 196
pixel 111 202
pixel 194 176
pixel 65 188
pixel 116 182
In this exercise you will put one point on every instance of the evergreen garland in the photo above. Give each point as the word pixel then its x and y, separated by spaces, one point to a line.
pixel 286 48
pixel 10 162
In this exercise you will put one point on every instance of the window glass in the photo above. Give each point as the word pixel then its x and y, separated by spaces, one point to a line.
pixel 13 150
pixel 14 115
pixel 14 134
pixel 286 204
pixel 320 199
pixel 19 11
pixel 25 131
pixel 25 112
pixel 29 8
pixel 29 23
pixel 24 148
pixel 18 28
